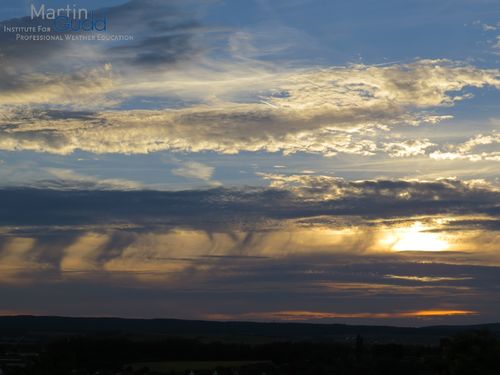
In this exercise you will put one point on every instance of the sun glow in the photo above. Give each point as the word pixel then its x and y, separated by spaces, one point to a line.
pixel 416 238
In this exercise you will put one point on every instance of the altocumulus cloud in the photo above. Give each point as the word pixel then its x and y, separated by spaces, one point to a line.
pixel 480 147
pixel 250 105
pixel 287 197
pixel 325 111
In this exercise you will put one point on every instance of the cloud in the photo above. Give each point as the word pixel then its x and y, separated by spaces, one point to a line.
pixel 485 26
pixel 293 316
pixel 426 279
pixel 324 188
pixel 67 179
pixel 77 74
pixel 22 82
pixel 325 111
pixel 111 274
pixel 289 197
pixel 16 255
pixel 304 240
pixel 83 254
pixel 79 90
pixel 408 148
pixel 248 252
pixel 194 170
pixel 471 149
pixel 156 51
pixel 149 236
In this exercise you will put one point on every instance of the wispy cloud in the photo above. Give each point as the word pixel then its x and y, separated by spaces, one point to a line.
pixel 195 170
pixel 67 179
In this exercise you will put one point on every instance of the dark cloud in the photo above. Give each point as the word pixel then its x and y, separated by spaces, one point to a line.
pixel 52 114
pixel 74 203
pixel 237 288
pixel 229 252
pixel 14 54
pixel 163 34
pixel 492 224
pixel 156 51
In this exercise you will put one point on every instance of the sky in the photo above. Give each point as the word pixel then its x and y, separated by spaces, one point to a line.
pixel 301 160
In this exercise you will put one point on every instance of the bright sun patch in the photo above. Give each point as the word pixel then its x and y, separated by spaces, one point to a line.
pixel 417 238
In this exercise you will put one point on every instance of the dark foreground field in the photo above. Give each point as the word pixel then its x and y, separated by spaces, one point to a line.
pixel 65 346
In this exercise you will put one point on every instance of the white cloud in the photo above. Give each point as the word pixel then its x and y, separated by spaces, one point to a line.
pixel 407 147
pixel 69 179
pixel 471 149
pixel 497 44
pixel 323 188
pixel 325 111
pixel 194 170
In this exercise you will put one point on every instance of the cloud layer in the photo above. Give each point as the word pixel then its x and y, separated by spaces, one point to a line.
pixel 326 111
pixel 90 132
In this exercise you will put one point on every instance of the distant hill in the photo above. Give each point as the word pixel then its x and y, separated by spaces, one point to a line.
pixel 240 331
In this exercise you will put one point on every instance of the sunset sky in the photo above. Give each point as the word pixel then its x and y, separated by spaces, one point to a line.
pixel 263 160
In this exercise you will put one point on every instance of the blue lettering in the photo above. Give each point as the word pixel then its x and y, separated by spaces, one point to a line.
pixel 65 24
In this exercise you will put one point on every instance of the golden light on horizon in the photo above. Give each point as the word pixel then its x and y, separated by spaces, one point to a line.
pixel 305 315
pixel 416 238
